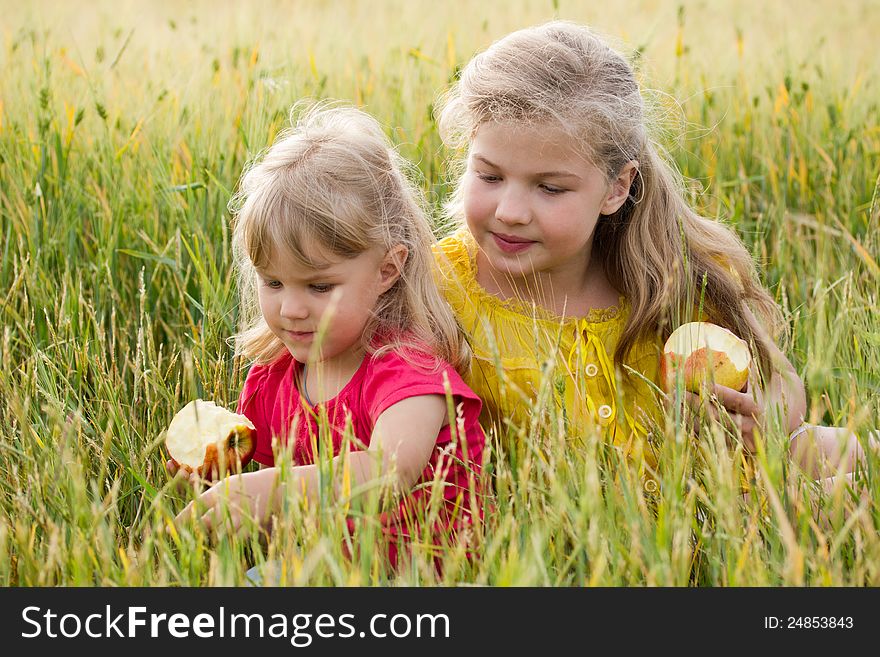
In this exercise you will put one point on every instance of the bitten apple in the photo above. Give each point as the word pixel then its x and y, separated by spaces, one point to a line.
pixel 210 439
pixel 705 352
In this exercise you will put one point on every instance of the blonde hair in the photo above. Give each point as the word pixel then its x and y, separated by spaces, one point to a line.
pixel 334 180
pixel 664 257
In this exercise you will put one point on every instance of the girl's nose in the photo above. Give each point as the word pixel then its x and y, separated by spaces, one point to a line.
pixel 294 307
pixel 513 207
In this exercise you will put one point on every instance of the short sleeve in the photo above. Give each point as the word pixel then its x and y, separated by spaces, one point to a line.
pixel 392 379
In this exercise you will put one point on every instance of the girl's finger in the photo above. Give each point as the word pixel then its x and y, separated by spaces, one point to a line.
pixel 748 438
pixel 692 400
pixel 735 402
pixel 197 507
pixel 219 522
pixel 692 411
pixel 745 428
pixel 185 516
pixel 186 477
pixel 207 521
pixel 736 419
pixel 713 412
pixel 695 424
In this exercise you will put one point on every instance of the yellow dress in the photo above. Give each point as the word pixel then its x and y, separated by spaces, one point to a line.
pixel 526 357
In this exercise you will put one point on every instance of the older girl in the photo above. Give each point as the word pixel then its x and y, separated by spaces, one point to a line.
pixel 580 254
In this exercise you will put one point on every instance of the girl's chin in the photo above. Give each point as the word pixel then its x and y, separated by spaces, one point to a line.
pixel 301 352
pixel 299 355
pixel 511 266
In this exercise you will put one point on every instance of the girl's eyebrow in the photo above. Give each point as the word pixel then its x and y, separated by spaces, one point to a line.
pixel 557 174
pixel 484 160
pixel 320 265
pixel 540 174
pixel 321 269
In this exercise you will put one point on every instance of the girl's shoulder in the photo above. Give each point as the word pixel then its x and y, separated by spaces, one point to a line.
pixel 262 377
pixel 406 364
pixel 393 375
pixel 454 256
pixel 456 276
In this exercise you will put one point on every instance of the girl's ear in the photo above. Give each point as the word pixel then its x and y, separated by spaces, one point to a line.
pixel 618 190
pixel 391 267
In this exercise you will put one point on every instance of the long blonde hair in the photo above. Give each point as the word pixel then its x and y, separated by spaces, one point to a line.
pixel 334 180
pixel 664 257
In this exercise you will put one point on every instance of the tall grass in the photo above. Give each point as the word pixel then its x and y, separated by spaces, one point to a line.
pixel 122 133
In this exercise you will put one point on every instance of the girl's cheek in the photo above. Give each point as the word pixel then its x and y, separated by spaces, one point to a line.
pixel 264 308
pixel 476 202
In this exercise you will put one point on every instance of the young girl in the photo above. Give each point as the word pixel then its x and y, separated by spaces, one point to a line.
pixel 580 254
pixel 348 330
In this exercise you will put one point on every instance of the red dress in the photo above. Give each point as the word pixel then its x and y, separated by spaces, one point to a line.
pixel 272 401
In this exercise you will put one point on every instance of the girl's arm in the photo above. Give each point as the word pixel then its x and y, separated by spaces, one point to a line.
pixel 401 444
pixel 785 390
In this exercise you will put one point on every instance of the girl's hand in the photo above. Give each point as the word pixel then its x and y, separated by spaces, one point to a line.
pixel 181 474
pixel 741 412
pixel 184 473
pixel 227 505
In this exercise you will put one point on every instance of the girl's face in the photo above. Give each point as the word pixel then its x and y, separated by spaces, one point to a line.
pixel 294 299
pixel 532 203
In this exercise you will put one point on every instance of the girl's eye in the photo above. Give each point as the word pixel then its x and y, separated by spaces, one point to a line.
pixel 551 189
pixel 321 288
pixel 274 285
pixel 488 177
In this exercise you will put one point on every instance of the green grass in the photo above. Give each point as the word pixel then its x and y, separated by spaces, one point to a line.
pixel 122 133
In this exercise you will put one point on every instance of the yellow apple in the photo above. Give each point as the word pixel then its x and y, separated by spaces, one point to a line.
pixel 704 352
pixel 210 439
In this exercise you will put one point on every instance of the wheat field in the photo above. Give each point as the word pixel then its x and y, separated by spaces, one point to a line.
pixel 123 129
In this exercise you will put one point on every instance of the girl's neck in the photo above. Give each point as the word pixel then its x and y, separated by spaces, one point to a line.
pixel 324 380
pixel 571 291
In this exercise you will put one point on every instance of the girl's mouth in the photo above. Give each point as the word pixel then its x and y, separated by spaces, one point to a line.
pixel 511 244
pixel 300 336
